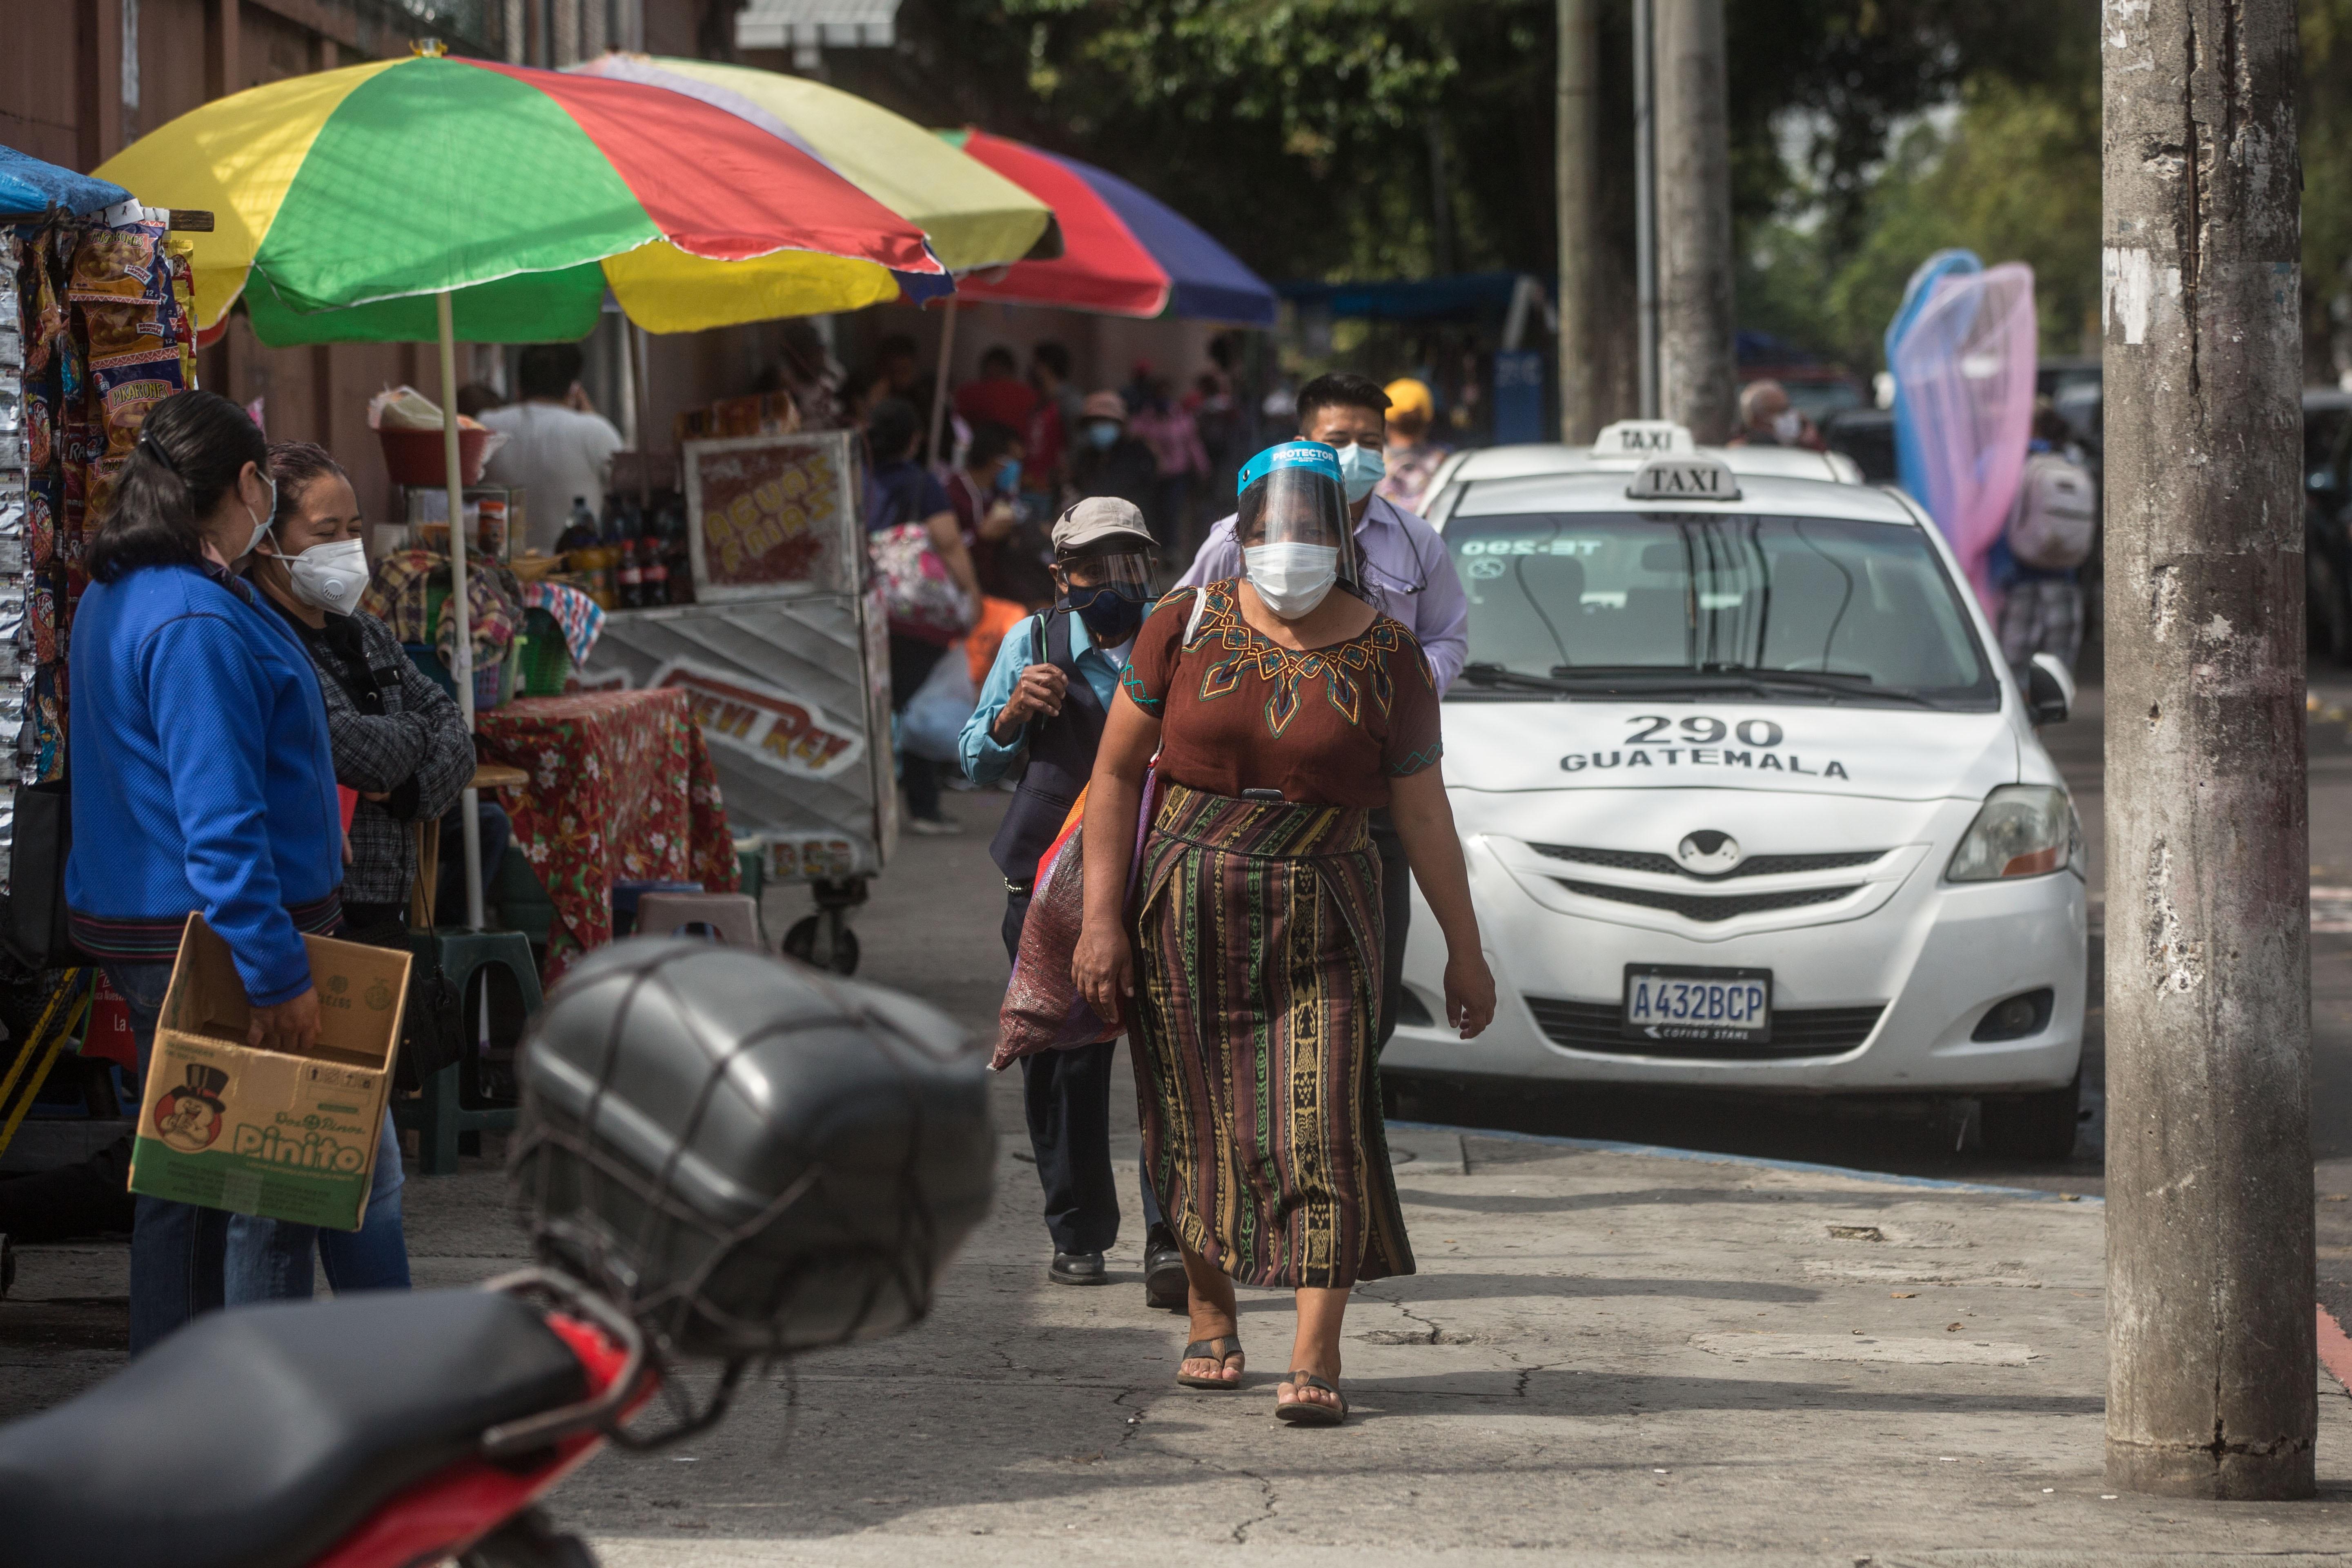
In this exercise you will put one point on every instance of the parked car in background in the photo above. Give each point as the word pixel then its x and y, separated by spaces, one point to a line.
pixel 2327 521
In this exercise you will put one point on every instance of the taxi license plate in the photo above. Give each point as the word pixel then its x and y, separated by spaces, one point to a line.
pixel 1667 1002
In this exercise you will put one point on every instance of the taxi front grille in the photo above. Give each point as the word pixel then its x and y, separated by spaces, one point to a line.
pixel 1709 906
pixel 1667 866
pixel 1594 1026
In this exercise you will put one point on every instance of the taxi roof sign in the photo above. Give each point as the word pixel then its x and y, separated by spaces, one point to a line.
pixel 1684 479
pixel 1643 439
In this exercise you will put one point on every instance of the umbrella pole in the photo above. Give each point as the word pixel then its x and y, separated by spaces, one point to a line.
pixel 462 671
pixel 939 455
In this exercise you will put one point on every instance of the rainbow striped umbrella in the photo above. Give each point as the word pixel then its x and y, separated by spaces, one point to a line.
pixel 972 216
pixel 346 201
pixel 1123 253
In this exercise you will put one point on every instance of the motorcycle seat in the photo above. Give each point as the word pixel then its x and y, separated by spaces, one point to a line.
pixel 256 1437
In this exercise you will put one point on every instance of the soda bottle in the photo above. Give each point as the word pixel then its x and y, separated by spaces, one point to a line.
pixel 633 576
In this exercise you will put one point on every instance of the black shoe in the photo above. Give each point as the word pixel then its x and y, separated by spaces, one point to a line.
pixel 1079 1268
pixel 1164 1284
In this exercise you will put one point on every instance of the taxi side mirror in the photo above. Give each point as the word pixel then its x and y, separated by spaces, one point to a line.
pixel 2049 690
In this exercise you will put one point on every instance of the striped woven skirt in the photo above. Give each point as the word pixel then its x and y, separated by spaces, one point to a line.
pixel 1257 992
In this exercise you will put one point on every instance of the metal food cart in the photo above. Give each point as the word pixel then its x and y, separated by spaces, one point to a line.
pixel 785 655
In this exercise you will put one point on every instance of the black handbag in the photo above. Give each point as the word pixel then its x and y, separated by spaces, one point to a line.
pixel 432 1032
pixel 40 844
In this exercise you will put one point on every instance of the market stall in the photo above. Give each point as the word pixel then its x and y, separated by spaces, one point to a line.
pixel 783 657
pixel 94 330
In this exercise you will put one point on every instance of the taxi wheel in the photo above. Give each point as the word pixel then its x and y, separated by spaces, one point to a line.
pixel 2033 1126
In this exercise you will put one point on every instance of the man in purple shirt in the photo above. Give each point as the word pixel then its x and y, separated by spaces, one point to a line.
pixel 1408 575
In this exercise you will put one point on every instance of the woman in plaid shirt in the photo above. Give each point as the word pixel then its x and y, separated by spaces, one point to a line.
pixel 401 742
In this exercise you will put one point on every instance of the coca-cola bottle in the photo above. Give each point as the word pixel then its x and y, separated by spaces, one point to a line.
pixel 633 575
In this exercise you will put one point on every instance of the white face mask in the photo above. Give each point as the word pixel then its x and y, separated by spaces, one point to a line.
pixel 1785 426
pixel 261 523
pixel 1361 469
pixel 1292 578
pixel 330 576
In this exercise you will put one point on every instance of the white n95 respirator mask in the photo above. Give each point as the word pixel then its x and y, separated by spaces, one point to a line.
pixel 330 576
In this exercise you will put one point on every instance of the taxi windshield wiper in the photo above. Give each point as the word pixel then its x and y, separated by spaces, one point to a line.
pixel 1483 672
pixel 1832 682
pixel 1654 679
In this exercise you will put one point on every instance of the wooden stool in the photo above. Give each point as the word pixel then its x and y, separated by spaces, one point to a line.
pixel 732 917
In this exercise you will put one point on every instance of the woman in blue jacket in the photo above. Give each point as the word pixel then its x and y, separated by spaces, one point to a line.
pixel 201 780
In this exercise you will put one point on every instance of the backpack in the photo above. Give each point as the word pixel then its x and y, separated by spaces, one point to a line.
pixel 2056 516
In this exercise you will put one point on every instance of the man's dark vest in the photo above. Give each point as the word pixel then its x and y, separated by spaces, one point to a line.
pixel 1061 759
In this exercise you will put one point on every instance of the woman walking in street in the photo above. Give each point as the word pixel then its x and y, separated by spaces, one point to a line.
pixel 1248 965
pixel 401 742
pixel 201 783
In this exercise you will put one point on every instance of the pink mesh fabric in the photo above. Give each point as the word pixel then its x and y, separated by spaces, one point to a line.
pixel 1966 367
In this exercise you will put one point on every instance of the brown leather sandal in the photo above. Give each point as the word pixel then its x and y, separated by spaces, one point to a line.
pixel 1311 1412
pixel 1206 1350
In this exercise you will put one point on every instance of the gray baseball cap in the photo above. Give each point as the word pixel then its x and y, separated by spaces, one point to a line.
pixel 1101 525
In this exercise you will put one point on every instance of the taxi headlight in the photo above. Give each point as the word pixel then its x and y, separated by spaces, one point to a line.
pixel 2022 830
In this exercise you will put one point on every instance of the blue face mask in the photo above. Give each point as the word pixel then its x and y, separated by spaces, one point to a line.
pixel 1008 476
pixel 1111 616
pixel 1102 433
pixel 1361 469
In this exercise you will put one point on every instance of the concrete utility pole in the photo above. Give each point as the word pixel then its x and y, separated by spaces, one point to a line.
pixel 1579 372
pixel 1696 383
pixel 2210 1273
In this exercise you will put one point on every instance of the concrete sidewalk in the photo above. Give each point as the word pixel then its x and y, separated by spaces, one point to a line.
pixel 1608 1356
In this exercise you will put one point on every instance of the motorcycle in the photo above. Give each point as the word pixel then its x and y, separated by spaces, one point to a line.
pixel 722 1158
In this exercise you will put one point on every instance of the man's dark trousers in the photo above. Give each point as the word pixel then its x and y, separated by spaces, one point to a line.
pixel 1396 914
pixel 1066 1098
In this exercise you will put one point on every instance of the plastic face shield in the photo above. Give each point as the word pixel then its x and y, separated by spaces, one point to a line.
pixel 1129 572
pixel 1292 494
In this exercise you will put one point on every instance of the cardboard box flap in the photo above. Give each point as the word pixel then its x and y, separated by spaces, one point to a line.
pixel 363 996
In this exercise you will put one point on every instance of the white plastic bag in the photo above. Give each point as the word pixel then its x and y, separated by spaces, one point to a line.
pixel 934 720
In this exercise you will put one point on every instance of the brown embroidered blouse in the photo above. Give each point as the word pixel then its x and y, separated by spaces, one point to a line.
pixel 1328 726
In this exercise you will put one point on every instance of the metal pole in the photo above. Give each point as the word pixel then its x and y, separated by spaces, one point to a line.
pixel 1579 388
pixel 1697 381
pixel 2211 1353
pixel 939 455
pixel 462 669
pixel 1645 208
pixel 645 416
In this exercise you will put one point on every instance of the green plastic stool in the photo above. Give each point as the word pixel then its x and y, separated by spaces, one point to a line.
pixel 521 897
pixel 440 1113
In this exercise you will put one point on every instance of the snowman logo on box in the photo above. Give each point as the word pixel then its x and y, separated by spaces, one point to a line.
pixel 189 1117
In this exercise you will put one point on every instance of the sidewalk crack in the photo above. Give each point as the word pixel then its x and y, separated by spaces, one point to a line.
pixel 1266 1501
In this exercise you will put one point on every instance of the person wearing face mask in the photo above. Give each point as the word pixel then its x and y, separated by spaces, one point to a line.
pixel 1045 700
pixel 1006 549
pixel 1278 709
pixel 1105 459
pixel 399 743
pixel 1405 572
pixel 1767 419
pixel 203 781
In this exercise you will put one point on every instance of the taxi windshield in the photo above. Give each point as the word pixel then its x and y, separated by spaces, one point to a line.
pixel 1782 608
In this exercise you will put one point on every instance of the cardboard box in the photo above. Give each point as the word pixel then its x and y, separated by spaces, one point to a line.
pixel 292 1136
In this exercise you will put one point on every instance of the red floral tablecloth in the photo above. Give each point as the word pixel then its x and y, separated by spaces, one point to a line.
pixel 621 790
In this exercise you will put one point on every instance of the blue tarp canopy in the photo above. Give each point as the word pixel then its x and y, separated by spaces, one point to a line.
pixel 1465 294
pixel 29 185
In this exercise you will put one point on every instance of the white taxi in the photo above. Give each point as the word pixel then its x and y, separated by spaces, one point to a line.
pixel 1749 798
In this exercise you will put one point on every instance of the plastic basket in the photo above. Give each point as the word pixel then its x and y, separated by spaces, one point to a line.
pixel 546 656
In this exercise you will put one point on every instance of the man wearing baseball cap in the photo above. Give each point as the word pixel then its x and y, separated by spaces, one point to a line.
pixel 1047 698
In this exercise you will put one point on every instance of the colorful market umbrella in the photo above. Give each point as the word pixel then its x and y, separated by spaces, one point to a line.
pixel 29 185
pixel 431 198
pixel 1123 253
pixel 345 201
pixel 973 216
